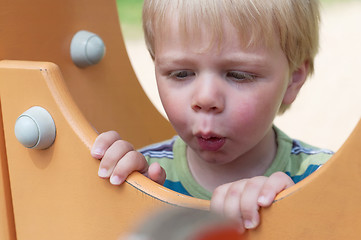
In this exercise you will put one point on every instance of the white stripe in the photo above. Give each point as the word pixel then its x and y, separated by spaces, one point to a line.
pixel 156 154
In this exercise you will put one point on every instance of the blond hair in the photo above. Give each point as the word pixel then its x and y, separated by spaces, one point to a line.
pixel 295 23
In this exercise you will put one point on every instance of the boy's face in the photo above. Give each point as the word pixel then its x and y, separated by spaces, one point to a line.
pixel 220 98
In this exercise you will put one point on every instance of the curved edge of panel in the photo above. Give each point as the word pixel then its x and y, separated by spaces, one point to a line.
pixel 347 146
pixel 87 134
pixel 325 205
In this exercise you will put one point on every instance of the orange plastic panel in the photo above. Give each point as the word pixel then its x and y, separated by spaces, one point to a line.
pixel 326 205
pixel 108 93
pixel 56 193
pixel 7 225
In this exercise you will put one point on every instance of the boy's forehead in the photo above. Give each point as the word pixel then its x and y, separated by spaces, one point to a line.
pixel 207 35
pixel 172 46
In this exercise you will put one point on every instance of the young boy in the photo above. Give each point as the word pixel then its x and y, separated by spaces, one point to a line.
pixel 224 70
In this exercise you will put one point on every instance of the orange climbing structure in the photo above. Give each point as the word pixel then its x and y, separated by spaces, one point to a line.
pixel 55 193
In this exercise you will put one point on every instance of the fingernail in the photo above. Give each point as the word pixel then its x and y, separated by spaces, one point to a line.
pixel 97 153
pixel 263 200
pixel 103 173
pixel 248 224
pixel 115 180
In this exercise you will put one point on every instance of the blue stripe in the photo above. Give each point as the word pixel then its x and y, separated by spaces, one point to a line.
pixel 162 146
pixel 297 148
pixel 176 186
pixel 310 169
pixel 155 154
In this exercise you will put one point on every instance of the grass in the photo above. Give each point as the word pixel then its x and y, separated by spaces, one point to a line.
pixel 130 16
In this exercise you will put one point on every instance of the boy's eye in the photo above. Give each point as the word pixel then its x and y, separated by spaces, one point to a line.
pixel 241 76
pixel 181 74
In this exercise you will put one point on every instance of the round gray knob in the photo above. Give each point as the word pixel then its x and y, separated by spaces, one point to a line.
pixel 35 128
pixel 86 49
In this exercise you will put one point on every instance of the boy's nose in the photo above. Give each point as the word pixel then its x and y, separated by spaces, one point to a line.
pixel 208 97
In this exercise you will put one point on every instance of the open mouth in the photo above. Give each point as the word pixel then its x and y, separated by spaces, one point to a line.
pixel 211 143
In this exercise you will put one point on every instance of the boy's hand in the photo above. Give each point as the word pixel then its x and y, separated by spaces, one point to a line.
pixel 242 199
pixel 119 160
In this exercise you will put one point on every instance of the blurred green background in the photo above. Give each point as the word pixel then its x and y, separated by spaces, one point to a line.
pixel 130 15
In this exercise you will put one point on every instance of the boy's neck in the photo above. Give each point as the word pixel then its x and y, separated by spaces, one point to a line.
pixel 253 163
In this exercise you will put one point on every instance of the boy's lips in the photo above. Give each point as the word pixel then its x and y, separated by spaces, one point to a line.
pixel 210 142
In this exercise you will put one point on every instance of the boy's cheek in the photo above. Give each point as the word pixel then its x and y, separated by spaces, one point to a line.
pixel 251 118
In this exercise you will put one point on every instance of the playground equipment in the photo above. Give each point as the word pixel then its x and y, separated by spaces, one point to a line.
pixel 54 192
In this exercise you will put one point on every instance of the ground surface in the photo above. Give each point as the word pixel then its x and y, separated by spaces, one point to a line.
pixel 329 105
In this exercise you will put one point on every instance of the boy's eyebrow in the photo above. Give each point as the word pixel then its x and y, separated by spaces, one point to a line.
pixel 256 59
pixel 173 56
pixel 252 60
pixel 249 62
pixel 173 61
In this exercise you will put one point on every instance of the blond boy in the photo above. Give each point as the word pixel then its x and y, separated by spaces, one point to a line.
pixel 224 70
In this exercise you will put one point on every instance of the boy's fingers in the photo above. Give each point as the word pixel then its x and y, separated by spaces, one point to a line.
pixel 225 201
pixel 232 200
pixel 249 205
pixel 112 156
pixel 131 161
pixel 275 184
pixel 102 143
pixel 218 197
pixel 156 173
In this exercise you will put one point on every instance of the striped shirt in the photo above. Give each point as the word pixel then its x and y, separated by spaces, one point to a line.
pixel 293 157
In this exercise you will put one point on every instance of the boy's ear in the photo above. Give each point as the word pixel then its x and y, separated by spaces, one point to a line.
pixel 298 78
